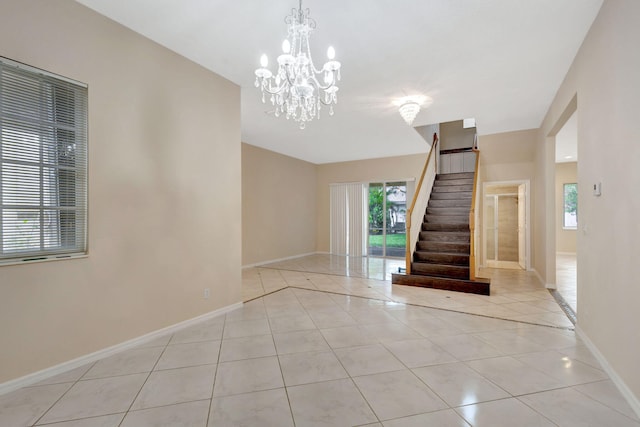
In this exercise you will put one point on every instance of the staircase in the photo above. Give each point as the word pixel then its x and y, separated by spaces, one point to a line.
pixel 441 257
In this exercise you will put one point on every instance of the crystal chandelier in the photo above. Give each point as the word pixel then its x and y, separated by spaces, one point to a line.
pixel 409 107
pixel 299 90
pixel 409 110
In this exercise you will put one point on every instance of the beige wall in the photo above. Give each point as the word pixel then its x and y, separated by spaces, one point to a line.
pixel 427 131
pixel 278 206
pixel 506 157
pixel 604 75
pixel 566 173
pixel 372 170
pixel 164 137
pixel 453 135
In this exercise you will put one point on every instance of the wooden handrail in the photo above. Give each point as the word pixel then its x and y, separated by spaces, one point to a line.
pixel 472 221
pixel 409 252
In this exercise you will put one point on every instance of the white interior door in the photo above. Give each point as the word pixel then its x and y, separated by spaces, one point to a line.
pixel 506 234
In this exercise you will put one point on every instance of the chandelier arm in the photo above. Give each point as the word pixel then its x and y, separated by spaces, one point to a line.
pixel 285 83
pixel 266 89
pixel 328 86
pixel 324 103
pixel 319 98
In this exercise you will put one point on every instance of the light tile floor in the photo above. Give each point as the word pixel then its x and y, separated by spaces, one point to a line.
pixel 566 279
pixel 515 294
pixel 306 357
pixel 327 341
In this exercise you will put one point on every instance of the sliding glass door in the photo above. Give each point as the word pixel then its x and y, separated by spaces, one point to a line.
pixel 387 219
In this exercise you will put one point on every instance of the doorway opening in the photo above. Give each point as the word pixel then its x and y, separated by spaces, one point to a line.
pixel 566 210
pixel 505 225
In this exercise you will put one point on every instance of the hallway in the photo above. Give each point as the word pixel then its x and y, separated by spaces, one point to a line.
pixel 567 279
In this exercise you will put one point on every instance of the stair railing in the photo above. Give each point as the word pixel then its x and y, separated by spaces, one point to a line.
pixel 420 198
pixel 472 220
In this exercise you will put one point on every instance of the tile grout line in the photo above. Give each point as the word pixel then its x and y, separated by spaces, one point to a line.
pixel 284 383
pixel 305 273
pixel 332 350
pixel 145 382
pixel 436 308
pixel 215 375
pixel 63 394
pixel 637 419
pixel 406 368
pixel 533 409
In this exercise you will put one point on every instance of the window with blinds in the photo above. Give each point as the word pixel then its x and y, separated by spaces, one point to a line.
pixel 43 161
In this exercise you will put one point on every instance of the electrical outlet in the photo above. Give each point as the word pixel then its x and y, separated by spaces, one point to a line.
pixel 207 293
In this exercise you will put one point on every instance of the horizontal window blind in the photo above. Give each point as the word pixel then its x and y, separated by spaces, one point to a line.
pixel 43 161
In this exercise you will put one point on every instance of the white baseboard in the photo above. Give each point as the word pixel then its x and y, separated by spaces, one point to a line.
pixel 540 279
pixel 626 392
pixel 38 376
pixel 258 264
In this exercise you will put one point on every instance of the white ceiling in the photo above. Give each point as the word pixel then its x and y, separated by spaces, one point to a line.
pixel 567 141
pixel 500 61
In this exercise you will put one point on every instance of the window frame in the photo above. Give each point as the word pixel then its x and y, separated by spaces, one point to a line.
pixel 60 135
pixel 564 206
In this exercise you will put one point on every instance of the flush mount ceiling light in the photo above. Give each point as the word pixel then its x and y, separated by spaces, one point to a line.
pixel 409 110
pixel 296 89
pixel 409 107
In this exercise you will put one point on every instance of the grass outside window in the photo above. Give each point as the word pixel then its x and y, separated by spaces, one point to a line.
pixel 393 240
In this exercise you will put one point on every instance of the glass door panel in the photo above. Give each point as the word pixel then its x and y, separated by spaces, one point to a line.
pixel 387 219
pixel 396 210
pixel 376 219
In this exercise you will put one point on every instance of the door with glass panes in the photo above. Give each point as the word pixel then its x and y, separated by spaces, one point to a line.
pixel 387 219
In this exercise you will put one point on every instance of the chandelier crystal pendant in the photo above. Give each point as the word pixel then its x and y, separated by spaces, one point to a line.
pixel 409 110
pixel 299 90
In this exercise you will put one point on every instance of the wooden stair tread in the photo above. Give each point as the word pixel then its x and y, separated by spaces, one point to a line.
pixel 444 176
pixel 441 259
pixel 436 246
pixel 445 236
pixel 443 226
pixel 464 181
pixel 450 203
pixel 479 286
pixel 448 210
pixel 447 219
pixel 452 195
pixel 440 270
pixel 452 188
